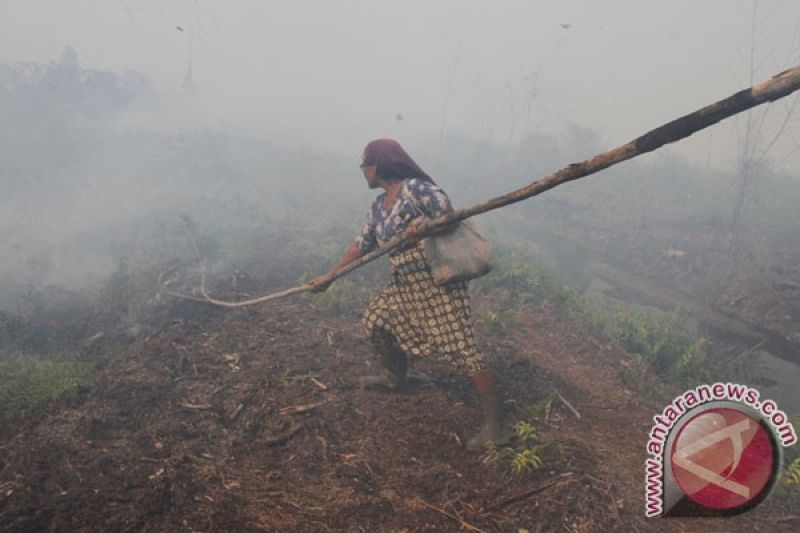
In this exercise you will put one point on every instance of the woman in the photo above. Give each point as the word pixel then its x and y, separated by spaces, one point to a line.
pixel 413 315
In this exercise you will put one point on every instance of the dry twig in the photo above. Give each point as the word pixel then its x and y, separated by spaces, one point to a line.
pixel 236 412
pixel 569 406
pixel 530 492
pixel 195 407
pixel 318 383
pixel 465 525
pixel 280 438
pixel 300 409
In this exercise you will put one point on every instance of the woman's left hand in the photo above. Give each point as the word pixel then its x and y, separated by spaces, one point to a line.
pixel 320 283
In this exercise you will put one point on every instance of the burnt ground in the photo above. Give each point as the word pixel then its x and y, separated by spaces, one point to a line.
pixel 758 288
pixel 251 420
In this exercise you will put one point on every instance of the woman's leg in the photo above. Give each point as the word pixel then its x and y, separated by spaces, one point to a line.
pixel 472 362
pixel 376 321
pixel 393 360
pixel 491 404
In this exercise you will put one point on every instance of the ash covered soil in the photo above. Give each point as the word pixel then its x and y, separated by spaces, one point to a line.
pixel 252 420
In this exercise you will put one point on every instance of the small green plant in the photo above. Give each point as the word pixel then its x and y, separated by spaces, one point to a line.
pixel 656 338
pixel 524 455
pixel 791 474
pixel 27 384
pixel 662 342
pixel 526 460
pixel 525 432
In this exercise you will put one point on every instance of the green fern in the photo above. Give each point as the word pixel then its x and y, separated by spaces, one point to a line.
pixel 526 434
pixel 527 460
pixel 791 475
pixel 525 455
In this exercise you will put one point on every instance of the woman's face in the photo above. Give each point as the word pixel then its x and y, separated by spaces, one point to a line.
pixel 370 174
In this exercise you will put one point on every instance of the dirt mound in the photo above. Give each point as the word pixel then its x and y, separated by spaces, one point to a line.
pixel 251 421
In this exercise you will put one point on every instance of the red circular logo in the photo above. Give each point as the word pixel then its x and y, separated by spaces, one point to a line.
pixel 723 459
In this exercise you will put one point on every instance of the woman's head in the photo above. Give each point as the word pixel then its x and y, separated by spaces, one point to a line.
pixel 391 162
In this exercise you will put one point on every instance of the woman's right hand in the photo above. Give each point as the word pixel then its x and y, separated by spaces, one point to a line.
pixel 320 283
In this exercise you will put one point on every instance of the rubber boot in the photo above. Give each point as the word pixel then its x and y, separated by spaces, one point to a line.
pixel 394 377
pixel 491 403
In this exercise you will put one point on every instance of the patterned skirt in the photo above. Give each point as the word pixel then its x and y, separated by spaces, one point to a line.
pixel 424 319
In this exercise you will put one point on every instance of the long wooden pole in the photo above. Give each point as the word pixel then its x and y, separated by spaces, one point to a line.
pixel 770 90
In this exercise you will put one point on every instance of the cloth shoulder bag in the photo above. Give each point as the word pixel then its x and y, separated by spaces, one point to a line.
pixel 460 255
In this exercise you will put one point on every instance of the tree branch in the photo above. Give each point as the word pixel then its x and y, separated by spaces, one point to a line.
pixel 770 90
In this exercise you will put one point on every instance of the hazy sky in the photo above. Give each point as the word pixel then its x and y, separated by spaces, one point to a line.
pixel 335 74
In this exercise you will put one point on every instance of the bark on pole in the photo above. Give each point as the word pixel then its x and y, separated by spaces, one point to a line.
pixel 770 90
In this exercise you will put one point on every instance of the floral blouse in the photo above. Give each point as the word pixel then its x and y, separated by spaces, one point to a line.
pixel 417 195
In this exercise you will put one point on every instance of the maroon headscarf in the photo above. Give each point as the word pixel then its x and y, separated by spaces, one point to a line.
pixel 388 154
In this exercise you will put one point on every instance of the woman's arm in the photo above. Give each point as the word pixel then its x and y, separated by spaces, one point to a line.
pixel 321 283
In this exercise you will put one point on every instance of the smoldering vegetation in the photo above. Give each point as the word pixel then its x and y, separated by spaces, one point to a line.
pixel 98 210
pixel 91 201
